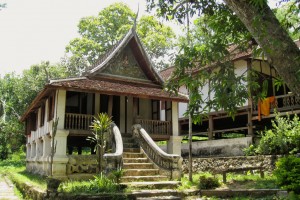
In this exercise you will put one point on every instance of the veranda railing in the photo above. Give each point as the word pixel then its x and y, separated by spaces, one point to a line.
pixel 156 127
pixel 78 121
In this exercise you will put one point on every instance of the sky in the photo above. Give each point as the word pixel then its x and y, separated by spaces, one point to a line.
pixel 32 31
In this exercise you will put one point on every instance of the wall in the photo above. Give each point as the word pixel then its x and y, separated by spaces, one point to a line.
pixel 221 147
pixel 218 163
pixel 213 148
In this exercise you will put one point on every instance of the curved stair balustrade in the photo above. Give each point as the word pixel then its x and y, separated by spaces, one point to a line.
pixel 169 162
pixel 114 160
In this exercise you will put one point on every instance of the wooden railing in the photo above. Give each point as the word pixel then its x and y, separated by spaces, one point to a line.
pixel 156 127
pixel 283 103
pixel 169 162
pixel 78 121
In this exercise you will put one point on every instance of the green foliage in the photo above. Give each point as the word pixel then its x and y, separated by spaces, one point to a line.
pixel 100 184
pixel 16 94
pixel 99 33
pixel 250 151
pixel 116 176
pixel 100 127
pixel 288 173
pixel 210 44
pixel 208 182
pixel 283 138
pixel 288 16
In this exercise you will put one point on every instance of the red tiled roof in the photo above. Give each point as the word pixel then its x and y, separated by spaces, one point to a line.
pixel 166 73
pixel 235 54
pixel 113 87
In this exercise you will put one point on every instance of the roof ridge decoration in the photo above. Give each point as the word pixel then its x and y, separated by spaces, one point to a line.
pixel 132 41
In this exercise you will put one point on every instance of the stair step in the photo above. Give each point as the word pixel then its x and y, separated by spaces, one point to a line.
pixel 133 155
pixel 134 150
pixel 140 172
pixel 158 197
pixel 135 160
pixel 138 166
pixel 155 178
pixel 152 185
pixel 154 192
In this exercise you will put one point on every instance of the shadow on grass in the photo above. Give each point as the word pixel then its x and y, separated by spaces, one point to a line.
pixel 249 181
pixel 38 179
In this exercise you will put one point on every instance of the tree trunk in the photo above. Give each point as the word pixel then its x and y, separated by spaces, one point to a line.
pixel 277 45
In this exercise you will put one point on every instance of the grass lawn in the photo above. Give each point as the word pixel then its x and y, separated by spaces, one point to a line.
pixel 14 168
pixel 234 181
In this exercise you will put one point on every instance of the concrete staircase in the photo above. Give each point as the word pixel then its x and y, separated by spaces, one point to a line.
pixel 139 170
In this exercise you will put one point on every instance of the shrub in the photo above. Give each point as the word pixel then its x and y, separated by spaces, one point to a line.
pixel 287 173
pixel 208 182
pixel 116 175
pixel 283 138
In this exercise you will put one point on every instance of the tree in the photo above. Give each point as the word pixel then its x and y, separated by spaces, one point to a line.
pixel 2 6
pixel 16 94
pixel 288 16
pixel 219 26
pixel 99 33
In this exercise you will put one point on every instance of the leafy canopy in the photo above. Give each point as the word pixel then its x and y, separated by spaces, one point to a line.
pixel 99 33
pixel 204 59
pixel 16 94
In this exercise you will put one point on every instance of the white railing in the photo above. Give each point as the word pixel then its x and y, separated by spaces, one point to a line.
pixel 114 159
pixel 156 127
pixel 169 162
pixel 78 121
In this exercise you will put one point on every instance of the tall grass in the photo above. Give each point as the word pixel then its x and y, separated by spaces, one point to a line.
pixel 100 184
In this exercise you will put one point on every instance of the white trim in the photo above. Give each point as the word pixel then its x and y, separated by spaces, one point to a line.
pixel 67 79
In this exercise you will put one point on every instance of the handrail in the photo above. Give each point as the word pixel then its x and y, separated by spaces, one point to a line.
pixel 114 160
pixel 78 121
pixel 283 102
pixel 156 126
pixel 170 162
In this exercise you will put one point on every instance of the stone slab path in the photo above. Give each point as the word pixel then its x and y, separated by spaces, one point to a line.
pixel 7 190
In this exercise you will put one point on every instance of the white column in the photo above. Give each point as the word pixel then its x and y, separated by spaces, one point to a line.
pixel 60 106
pixel 46 153
pixel 175 125
pixel 28 157
pixel 28 151
pixel 174 143
pixel 60 158
pixel 33 150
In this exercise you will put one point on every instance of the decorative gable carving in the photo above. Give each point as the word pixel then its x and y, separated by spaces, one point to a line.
pixel 125 65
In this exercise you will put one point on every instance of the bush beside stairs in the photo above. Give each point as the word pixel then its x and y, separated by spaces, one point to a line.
pixel 143 176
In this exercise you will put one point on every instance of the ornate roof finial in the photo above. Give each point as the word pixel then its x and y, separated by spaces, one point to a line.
pixel 136 16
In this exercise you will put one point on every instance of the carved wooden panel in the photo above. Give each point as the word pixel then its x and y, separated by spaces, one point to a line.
pixel 125 64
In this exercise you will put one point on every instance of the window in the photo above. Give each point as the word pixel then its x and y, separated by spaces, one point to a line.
pixel 42 115
pixel 51 107
pixel 155 110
